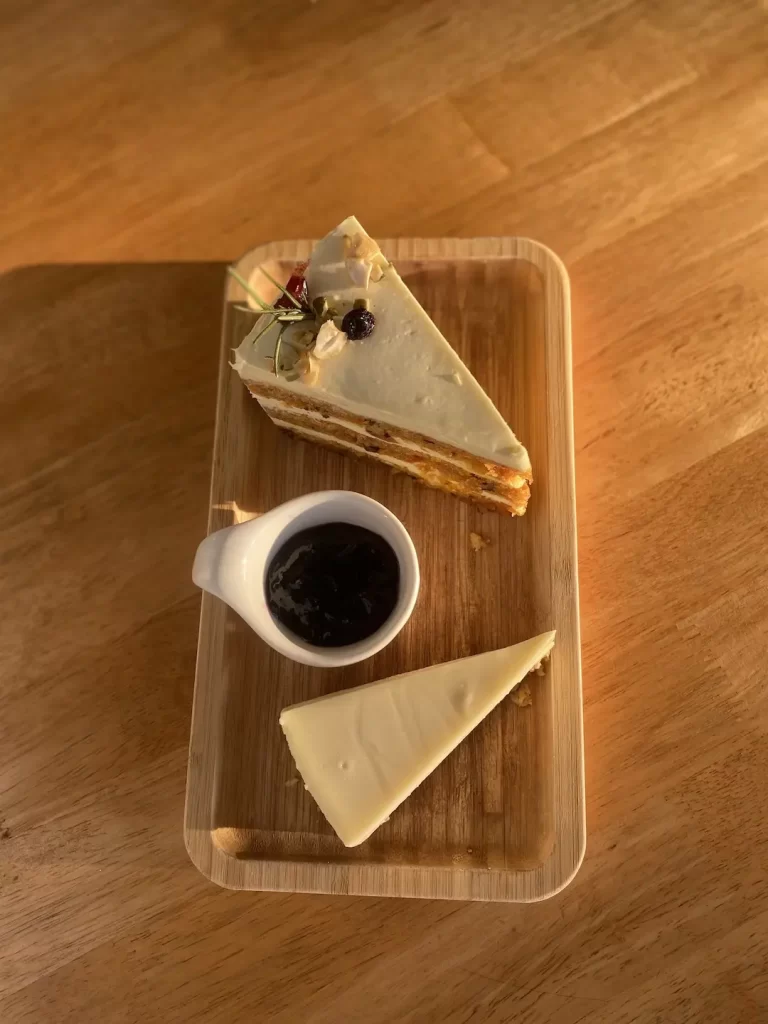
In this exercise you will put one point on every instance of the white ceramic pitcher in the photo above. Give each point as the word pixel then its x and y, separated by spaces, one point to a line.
pixel 232 564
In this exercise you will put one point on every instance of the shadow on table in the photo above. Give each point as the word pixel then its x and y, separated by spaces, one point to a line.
pixel 86 349
pixel 107 404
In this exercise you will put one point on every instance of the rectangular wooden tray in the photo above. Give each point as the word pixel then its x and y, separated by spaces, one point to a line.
pixel 503 817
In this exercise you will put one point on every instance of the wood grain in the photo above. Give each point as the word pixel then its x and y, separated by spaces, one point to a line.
pixel 503 816
pixel 144 144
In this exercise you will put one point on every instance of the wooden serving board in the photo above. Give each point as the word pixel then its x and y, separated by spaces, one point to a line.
pixel 503 817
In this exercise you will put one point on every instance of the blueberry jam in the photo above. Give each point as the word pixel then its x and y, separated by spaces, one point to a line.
pixel 333 584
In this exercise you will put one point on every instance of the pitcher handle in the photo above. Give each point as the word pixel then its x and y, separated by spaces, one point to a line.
pixel 205 569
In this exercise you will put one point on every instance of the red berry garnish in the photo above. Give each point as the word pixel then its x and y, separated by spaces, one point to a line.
pixel 297 287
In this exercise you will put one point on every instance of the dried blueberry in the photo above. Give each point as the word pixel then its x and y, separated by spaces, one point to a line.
pixel 358 323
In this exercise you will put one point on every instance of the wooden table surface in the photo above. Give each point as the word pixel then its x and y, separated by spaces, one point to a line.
pixel 145 143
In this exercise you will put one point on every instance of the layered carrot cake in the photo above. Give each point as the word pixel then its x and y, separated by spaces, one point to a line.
pixel 343 355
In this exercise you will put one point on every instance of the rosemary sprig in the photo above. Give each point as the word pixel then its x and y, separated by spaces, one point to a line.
pixel 298 308
pixel 268 321
pixel 274 314
pixel 276 311
pixel 285 292
pixel 276 356
pixel 244 284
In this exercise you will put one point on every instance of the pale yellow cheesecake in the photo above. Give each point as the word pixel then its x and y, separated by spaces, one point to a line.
pixel 361 752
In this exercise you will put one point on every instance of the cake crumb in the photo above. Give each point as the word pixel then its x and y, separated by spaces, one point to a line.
pixel 477 541
pixel 522 696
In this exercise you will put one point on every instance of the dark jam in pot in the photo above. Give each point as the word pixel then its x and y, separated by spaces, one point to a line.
pixel 333 584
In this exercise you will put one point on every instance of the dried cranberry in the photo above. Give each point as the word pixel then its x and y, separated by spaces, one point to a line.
pixel 297 287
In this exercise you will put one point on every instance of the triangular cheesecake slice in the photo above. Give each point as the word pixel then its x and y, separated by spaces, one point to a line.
pixel 379 379
pixel 361 752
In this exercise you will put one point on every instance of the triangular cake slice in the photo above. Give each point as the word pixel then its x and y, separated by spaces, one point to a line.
pixel 361 752
pixel 400 394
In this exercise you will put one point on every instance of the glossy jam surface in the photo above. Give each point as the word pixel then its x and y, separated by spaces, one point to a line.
pixel 333 584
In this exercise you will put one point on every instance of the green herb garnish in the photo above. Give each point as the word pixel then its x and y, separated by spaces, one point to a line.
pixel 273 314
pixel 286 293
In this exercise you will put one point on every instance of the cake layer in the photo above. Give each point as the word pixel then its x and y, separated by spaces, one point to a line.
pixel 487 499
pixel 436 472
pixel 484 483
pixel 456 481
pixel 272 394
pixel 376 436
